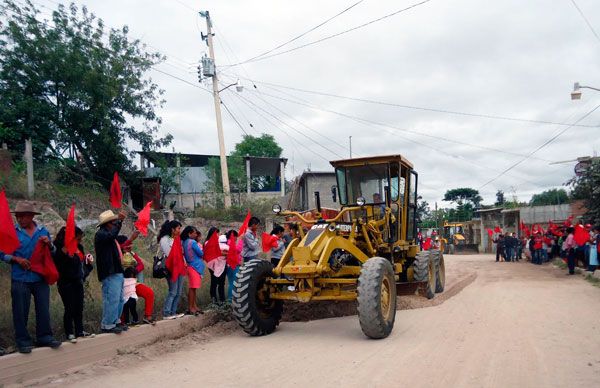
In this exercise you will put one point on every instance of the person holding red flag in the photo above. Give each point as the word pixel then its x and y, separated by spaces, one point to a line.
pixel 195 266
pixel 251 247
pixel 214 249
pixel 24 282
pixel 73 269
pixel 166 238
pixel 233 261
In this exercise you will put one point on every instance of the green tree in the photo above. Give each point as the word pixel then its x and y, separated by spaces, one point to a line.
pixel 500 200
pixel 550 197
pixel 587 187
pixel 257 146
pixel 70 84
pixel 423 210
pixel 462 195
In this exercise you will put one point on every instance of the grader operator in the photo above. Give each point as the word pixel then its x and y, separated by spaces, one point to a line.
pixel 360 254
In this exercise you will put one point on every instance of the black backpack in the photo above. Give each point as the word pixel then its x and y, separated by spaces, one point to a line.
pixel 159 266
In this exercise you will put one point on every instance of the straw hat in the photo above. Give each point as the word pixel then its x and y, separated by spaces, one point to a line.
pixel 25 207
pixel 105 217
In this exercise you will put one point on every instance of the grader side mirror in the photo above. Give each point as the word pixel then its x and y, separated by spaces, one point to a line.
pixel 334 193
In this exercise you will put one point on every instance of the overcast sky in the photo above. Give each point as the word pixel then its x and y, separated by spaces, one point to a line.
pixel 512 59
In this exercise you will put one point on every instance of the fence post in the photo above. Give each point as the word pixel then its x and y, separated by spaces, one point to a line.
pixel 29 161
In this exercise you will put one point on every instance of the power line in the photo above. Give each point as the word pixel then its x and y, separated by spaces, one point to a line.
pixel 301 35
pixel 334 35
pixel 539 148
pixel 369 101
pixel 233 117
pixel 586 20
pixel 181 79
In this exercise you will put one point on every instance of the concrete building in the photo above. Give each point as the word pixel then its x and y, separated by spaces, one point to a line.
pixel 302 193
pixel 193 186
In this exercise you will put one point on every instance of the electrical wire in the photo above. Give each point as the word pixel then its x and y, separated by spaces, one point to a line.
pixel 233 117
pixel 303 34
pixel 546 143
pixel 369 101
pixel 586 20
pixel 334 35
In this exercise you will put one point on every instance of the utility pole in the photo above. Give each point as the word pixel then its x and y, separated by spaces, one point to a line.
pixel 350 141
pixel 215 86
pixel 29 161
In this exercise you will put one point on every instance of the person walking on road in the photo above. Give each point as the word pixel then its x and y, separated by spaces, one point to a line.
pixel 25 283
pixel 110 270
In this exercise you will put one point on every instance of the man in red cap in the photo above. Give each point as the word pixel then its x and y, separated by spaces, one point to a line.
pixel 26 283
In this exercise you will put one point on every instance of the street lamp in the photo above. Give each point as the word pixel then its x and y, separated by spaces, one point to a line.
pixel 238 87
pixel 576 93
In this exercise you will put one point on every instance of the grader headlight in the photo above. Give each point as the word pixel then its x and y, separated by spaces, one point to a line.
pixel 276 208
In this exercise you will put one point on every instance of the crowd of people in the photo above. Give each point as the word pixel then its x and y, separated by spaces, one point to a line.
pixel 120 270
pixel 577 245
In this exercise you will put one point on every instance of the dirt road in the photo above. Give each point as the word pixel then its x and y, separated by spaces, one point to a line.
pixel 516 325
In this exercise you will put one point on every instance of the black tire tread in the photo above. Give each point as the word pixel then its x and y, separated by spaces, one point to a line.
pixel 421 271
pixel 372 323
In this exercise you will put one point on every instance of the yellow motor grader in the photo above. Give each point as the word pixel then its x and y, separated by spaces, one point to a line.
pixel 361 254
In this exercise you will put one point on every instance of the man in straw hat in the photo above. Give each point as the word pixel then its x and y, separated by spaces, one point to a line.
pixel 110 270
pixel 26 283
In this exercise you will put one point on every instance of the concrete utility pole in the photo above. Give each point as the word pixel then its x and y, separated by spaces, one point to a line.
pixel 215 86
pixel 29 161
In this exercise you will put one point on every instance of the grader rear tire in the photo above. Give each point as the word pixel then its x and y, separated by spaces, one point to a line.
pixel 424 270
pixel 440 272
pixel 252 309
pixel 377 298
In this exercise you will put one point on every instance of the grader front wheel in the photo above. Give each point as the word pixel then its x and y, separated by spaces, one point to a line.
pixel 376 298
pixel 425 271
pixel 252 308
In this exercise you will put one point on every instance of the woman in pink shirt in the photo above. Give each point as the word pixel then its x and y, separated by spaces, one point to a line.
pixel 569 246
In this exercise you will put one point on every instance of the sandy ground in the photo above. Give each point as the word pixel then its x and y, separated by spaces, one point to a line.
pixel 515 325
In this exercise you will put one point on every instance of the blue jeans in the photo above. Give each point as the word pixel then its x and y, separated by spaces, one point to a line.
pixel 21 293
pixel 230 278
pixel 172 300
pixel 509 253
pixel 112 300
pixel 545 256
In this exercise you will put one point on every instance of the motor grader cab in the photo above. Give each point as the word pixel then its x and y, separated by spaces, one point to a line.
pixel 360 254
pixel 454 240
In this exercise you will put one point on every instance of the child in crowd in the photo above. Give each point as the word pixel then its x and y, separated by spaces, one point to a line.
pixel 129 297
pixel 277 251
pixel 251 245
pixel 141 290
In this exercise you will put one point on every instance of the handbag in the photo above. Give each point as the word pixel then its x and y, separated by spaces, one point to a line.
pixel 159 265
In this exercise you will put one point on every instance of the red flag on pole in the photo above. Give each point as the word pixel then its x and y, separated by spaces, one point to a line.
pixel 581 235
pixel 268 242
pixel 244 226
pixel 569 221
pixel 490 232
pixel 143 219
pixel 70 238
pixel 116 197
pixel 175 262
pixel 427 244
pixel 498 229
pixel 9 242
pixel 211 248
pixel 42 263
pixel 233 256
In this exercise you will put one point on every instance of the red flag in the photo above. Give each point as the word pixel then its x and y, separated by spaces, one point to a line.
pixel 268 242
pixel 490 232
pixel 581 235
pixel 42 263
pixel 244 226
pixel 233 256
pixel 498 229
pixel 70 238
pixel 175 262
pixel 427 244
pixel 212 250
pixel 9 242
pixel 143 219
pixel 116 197
pixel 569 221
pixel 522 226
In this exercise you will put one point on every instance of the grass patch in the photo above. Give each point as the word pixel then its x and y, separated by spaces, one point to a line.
pixel 592 280
pixel 560 263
